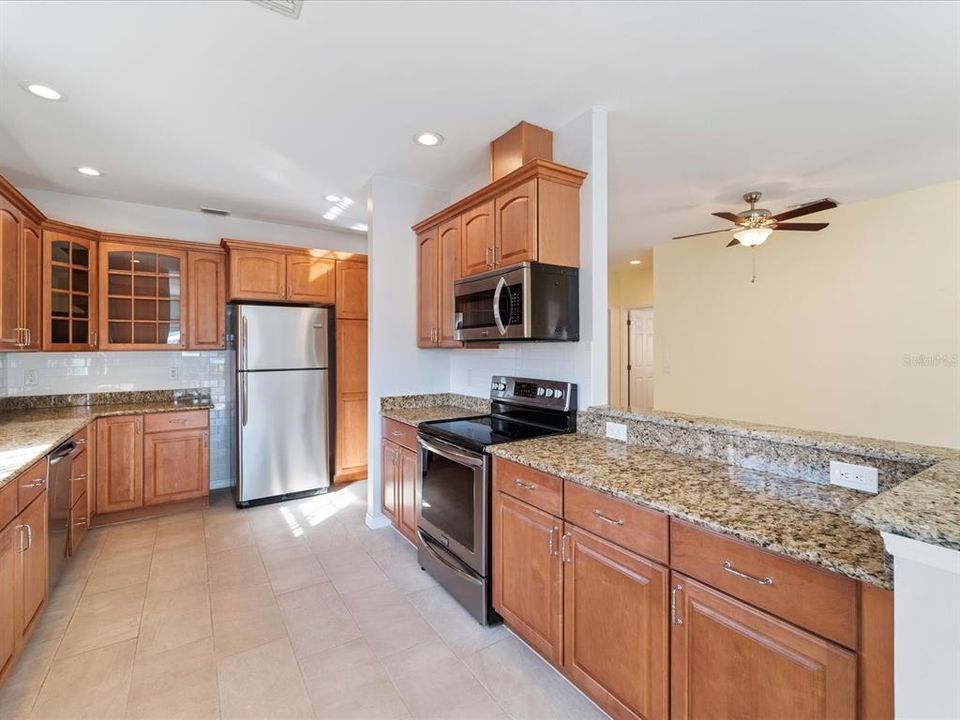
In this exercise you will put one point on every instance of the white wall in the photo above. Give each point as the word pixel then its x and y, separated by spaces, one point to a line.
pixel 395 365
pixel 582 144
pixel 136 219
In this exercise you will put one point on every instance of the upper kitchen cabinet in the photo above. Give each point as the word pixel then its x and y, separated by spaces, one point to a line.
pixel 476 244
pixel 518 146
pixel 69 288
pixel 311 279
pixel 256 274
pixel 141 297
pixel 207 300
pixel 428 264
pixel 351 299
pixel 20 262
pixel 448 246
pixel 279 274
pixel 515 226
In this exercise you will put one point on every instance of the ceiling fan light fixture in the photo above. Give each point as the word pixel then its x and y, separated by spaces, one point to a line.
pixel 751 237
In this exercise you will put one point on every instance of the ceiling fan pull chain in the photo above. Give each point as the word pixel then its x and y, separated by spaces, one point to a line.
pixel 753 262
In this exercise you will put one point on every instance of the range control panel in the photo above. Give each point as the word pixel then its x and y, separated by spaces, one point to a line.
pixel 551 394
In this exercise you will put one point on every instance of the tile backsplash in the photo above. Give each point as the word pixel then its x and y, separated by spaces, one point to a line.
pixel 61 373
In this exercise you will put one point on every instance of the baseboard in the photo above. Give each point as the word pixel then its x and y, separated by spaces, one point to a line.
pixel 221 484
pixel 375 522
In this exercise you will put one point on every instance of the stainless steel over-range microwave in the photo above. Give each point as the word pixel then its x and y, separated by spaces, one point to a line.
pixel 529 301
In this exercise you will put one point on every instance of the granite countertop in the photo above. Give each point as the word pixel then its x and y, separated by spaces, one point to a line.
pixel 415 416
pixel 28 435
pixel 415 409
pixel 803 520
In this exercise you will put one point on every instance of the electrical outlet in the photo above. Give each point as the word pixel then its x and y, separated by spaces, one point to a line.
pixel 617 431
pixel 666 363
pixel 856 477
pixel 174 373
pixel 31 378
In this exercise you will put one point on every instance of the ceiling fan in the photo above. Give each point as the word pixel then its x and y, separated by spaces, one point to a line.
pixel 753 226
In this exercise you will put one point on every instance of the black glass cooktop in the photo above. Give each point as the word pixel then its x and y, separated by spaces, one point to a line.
pixel 478 432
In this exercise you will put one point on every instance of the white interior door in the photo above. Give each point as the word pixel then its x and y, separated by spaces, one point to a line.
pixel 640 364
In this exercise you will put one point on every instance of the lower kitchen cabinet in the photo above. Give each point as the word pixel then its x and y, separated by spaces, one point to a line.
pixel 9 561
pixel 79 523
pixel 176 466
pixel 615 644
pixel 409 498
pixel 730 660
pixel 119 463
pixel 390 475
pixel 32 576
pixel 528 574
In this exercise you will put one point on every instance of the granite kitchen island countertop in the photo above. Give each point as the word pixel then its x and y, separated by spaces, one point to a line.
pixel 29 434
pixel 804 520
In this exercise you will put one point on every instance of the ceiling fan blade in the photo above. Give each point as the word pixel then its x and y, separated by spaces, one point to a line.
pixel 733 242
pixel 726 216
pixel 709 232
pixel 808 209
pixel 809 227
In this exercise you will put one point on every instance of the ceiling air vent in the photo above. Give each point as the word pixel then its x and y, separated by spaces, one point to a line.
pixel 290 8
pixel 214 211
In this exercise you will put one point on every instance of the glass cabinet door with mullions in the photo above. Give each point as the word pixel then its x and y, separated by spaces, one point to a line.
pixel 141 297
pixel 69 297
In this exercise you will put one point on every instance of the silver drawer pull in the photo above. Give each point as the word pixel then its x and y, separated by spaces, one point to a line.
pixel 674 618
pixel 181 421
pixel 34 483
pixel 81 476
pixel 396 433
pixel 526 486
pixel 728 567
pixel 81 441
pixel 606 519
pixel 81 521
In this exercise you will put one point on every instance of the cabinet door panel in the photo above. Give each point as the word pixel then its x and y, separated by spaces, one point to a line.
pixel 33 564
pixel 408 494
pixel 390 472
pixel 10 228
pixel 615 627
pixel 31 285
pixel 70 299
pixel 9 587
pixel 477 240
pixel 119 463
pixel 351 289
pixel 730 660
pixel 79 523
pixel 351 450
pixel 449 247
pixel 208 300
pixel 257 275
pixel 427 277
pixel 175 466
pixel 311 280
pixel 528 574
pixel 516 225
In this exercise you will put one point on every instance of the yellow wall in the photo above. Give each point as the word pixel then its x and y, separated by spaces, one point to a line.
pixel 854 329
pixel 632 287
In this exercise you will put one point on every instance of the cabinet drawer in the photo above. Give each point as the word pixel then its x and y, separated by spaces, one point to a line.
pixel 532 486
pixel 183 420
pixel 820 601
pixel 8 502
pixel 80 468
pixel 79 522
pixel 644 531
pixel 400 433
pixel 31 483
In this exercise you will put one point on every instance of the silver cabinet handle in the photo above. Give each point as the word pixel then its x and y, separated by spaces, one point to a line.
pixel 29 536
pixel 728 567
pixel 526 486
pixel 81 441
pixel 607 519
pixel 81 521
pixel 20 546
pixel 34 483
pixel 674 618
pixel 81 476
pixel 551 547
pixel 180 421
pixel 486 257
pixel 93 339
pixel 564 548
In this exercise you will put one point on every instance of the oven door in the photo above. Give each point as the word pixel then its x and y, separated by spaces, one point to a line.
pixel 493 305
pixel 454 496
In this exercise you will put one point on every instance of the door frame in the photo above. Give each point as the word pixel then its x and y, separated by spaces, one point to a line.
pixel 624 364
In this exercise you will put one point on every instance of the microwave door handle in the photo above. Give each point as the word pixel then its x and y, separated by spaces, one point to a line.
pixel 452 454
pixel 496 306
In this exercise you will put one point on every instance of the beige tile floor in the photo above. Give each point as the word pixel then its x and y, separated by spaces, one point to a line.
pixel 292 610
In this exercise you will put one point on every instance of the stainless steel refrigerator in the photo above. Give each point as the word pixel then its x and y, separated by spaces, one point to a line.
pixel 284 424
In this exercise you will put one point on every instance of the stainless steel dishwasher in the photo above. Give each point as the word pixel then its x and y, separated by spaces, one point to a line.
pixel 59 474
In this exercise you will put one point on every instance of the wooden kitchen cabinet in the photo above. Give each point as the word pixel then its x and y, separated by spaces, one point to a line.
pixel 311 279
pixel 79 523
pixel 448 269
pixel 176 466
pixel 119 463
pixel 409 498
pixel 70 286
pixel 207 300
pixel 390 479
pixel 351 302
pixel 20 279
pixel 428 310
pixel 9 588
pixel 615 624
pixel 256 274
pixel 477 240
pixel 528 574
pixel 32 575
pixel 730 660
pixel 515 225
pixel 351 400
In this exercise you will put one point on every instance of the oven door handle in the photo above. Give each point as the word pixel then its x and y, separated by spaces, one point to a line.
pixel 452 453
pixel 496 306
pixel 428 544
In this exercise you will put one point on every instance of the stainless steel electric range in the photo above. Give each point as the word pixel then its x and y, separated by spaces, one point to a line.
pixel 455 483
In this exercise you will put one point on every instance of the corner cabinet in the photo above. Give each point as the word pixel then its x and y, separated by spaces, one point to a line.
pixel 207 300
pixel 69 290
pixel 141 297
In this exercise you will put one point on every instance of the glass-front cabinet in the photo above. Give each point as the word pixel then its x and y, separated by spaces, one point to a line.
pixel 69 291
pixel 141 297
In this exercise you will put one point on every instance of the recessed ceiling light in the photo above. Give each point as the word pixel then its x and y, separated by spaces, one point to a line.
pixel 362 227
pixel 332 198
pixel 330 215
pixel 635 262
pixel 42 91
pixel 88 171
pixel 429 138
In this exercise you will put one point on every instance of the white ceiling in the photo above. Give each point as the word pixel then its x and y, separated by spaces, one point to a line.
pixel 229 105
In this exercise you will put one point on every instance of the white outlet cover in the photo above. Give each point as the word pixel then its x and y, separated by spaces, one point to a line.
pixel 617 431
pixel 174 373
pixel 855 477
pixel 31 377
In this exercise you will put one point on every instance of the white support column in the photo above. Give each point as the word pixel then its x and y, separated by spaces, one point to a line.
pixel 926 597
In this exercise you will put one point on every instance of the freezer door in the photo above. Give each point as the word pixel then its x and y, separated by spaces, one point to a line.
pixel 284 433
pixel 276 337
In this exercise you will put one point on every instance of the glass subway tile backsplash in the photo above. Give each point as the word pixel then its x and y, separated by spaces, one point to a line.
pixel 62 373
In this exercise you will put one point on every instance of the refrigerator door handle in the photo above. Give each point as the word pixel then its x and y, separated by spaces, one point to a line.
pixel 246 358
pixel 243 401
